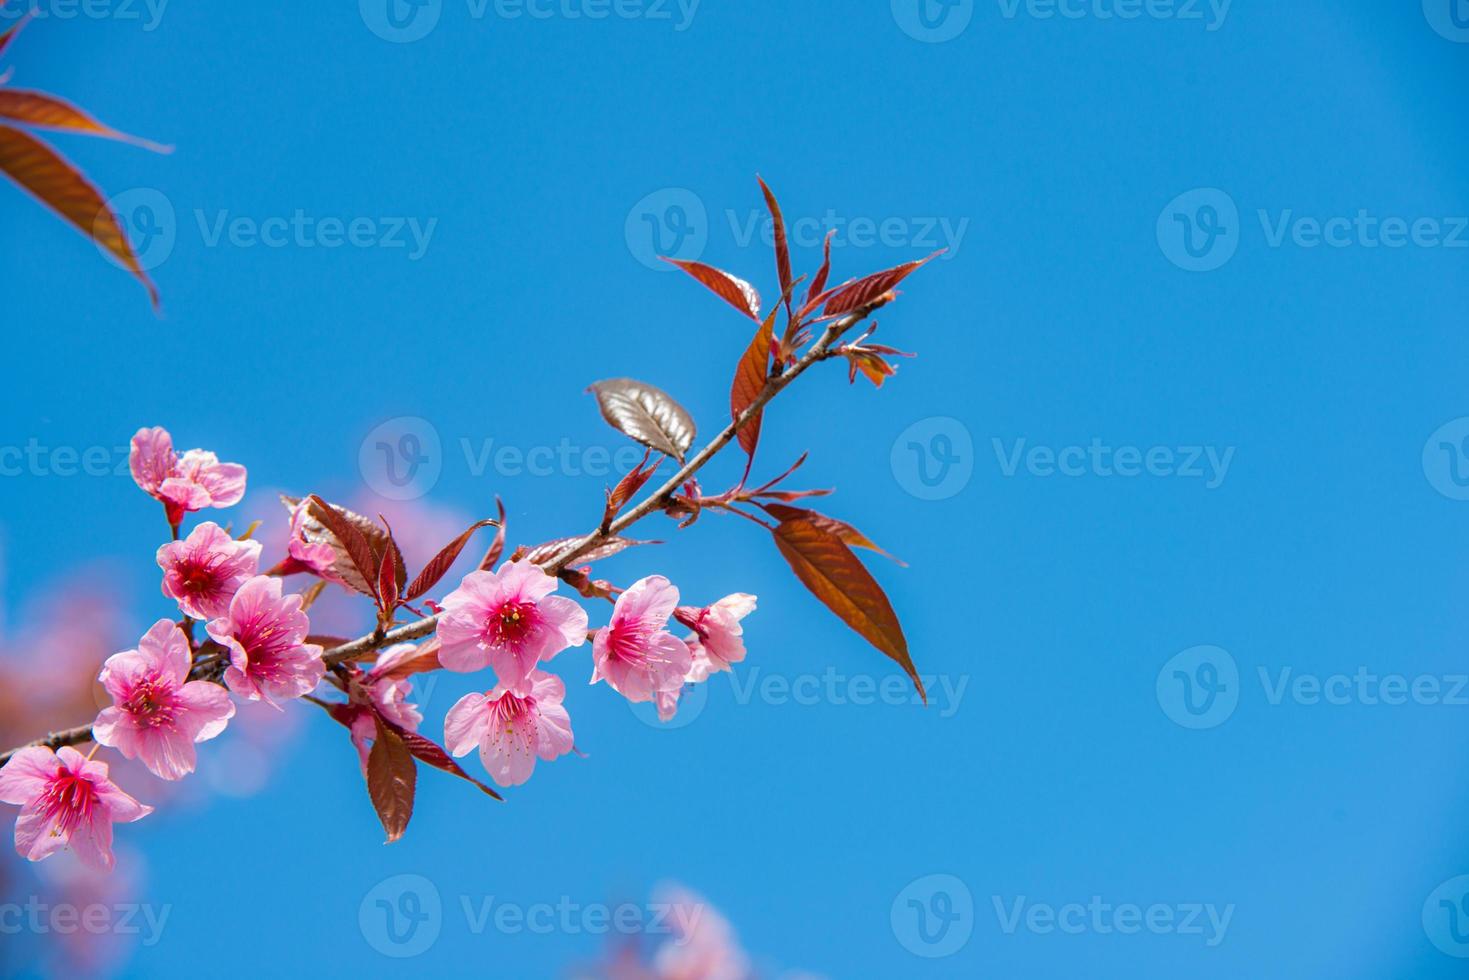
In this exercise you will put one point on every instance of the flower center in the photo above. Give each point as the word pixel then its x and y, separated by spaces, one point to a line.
pixel 68 801
pixel 150 704
pixel 511 623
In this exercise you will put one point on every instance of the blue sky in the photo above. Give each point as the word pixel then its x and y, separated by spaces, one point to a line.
pixel 1217 247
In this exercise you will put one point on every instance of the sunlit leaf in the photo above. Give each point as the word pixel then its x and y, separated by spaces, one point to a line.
pixel 857 293
pixel 782 244
pixel 843 530
pixel 441 563
pixel 732 289
pixel 646 414
pixel 391 778
pixel 49 112
pixel 57 184
pixel 751 376
pixel 829 569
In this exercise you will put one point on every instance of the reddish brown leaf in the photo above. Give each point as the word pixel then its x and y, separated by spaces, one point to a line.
pixel 387 583
pixel 841 529
pixel 348 534
pixel 53 181
pixel 8 36
pixel 628 487
pixel 429 751
pixel 818 284
pixel 325 641
pixel 391 778
pixel 750 379
pixel 829 569
pixel 423 661
pixel 497 547
pixel 345 568
pixel 441 563
pixel 857 293
pixel 49 112
pixel 733 290
pixel 782 245
pixel 545 552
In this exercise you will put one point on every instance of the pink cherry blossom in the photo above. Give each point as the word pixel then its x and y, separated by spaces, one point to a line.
pixel 508 619
pixel 718 640
pixel 389 695
pixel 703 946
pixel 512 726
pixel 157 713
pixel 635 653
pixel 265 634
pixel 204 570
pixel 190 482
pixel 65 800
pixel 304 555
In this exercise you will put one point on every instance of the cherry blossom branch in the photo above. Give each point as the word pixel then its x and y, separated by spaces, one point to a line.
pixel 657 500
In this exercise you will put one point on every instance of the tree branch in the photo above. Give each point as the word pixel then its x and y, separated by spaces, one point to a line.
pixel 655 501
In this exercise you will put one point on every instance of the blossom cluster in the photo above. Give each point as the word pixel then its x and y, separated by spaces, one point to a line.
pixel 178 687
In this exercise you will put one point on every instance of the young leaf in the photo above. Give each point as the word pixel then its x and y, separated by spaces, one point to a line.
pixel 391 777
pixel 54 182
pixel 424 660
pixel 818 284
pixel 628 486
pixel 843 530
pixel 733 290
pixel 345 568
pixel 829 569
pixel 346 535
pixel 429 751
pixel 497 547
pixel 857 293
pixel 750 378
pixel 782 244
pixel 646 414
pixel 7 36
pixel 387 585
pixel 545 552
pixel 48 112
pixel 441 563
